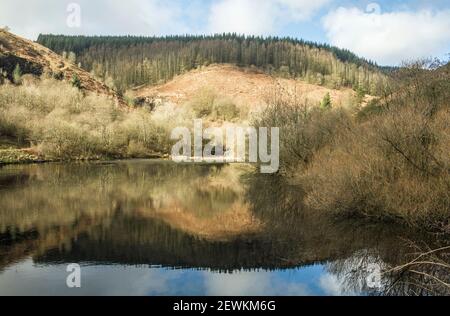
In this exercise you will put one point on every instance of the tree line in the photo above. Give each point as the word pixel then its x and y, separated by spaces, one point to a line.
pixel 128 61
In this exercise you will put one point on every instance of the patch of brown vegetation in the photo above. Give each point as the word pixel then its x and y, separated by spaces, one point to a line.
pixel 246 87
pixel 36 59
pixel 390 164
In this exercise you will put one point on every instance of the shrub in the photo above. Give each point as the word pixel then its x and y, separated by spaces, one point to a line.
pixel 389 171
pixel 389 162
pixel 304 129
pixel 372 108
pixel 76 82
pixel 65 124
pixel 326 102
pixel 58 75
pixel 225 109
pixel 203 103
pixel 136 150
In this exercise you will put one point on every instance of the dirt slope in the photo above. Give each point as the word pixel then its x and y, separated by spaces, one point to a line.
pixel 246 87
pixel 36 59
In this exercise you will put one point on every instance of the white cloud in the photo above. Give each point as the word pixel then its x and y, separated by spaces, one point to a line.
pixel 255 283
pixel 242 16
pixel 258 17
pixel 389 38
pixel 146 17
pixel 156 17
pixel 301 10
pixel 331 285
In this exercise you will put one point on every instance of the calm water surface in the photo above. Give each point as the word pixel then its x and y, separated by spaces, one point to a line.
pixel 157 228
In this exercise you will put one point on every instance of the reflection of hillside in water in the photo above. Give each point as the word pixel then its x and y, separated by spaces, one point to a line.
pixel 158 213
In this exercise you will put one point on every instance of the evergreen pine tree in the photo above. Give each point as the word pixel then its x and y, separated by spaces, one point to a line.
pixel 76 82
pixel 17 75
pixel 134 61
pixel 326 102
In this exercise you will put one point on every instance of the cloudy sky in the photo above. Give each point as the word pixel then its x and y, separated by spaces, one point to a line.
pixel 386 31
pixel 29 278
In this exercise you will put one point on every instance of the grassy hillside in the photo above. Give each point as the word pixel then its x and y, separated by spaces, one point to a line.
pixel 19 56
pixel 125 62
pixel 50 109
pixel 247 88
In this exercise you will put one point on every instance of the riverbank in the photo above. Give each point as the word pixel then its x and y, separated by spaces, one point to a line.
pixel 14 156
pixel 19 156
pixel 386 162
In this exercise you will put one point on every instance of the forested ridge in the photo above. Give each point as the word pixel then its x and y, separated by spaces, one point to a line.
pixel 127 61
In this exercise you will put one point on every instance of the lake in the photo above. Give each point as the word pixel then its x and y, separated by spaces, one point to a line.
pixel 159 228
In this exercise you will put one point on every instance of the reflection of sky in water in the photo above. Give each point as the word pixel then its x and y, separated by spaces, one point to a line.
pixel 28 279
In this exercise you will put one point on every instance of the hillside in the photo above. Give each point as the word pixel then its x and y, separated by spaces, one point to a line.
pixel 46 115
pixel 129 61
pixel 37 60
pixel 245 87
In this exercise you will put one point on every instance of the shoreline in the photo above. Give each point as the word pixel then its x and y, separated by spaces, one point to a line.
pixel 39 160
pixel 23 157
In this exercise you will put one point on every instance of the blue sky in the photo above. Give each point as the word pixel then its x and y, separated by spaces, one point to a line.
pixel 387 32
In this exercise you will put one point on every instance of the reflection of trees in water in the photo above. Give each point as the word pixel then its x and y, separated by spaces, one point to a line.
pixel 105 214
pixel 119 212
pixel 272 197
pixel 356 252
pixel 55 194
pixel 427 274
pixel 360 273
pixel 133 241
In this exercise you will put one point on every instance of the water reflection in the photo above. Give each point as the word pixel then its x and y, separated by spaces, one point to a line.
pixel 157 228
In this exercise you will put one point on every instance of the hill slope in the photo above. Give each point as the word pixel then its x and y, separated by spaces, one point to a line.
pixel 245 87
pixel 132 61
pixel 36 59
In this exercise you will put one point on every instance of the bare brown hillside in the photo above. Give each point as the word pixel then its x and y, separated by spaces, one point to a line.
pixel 36 59
pixel 246 87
